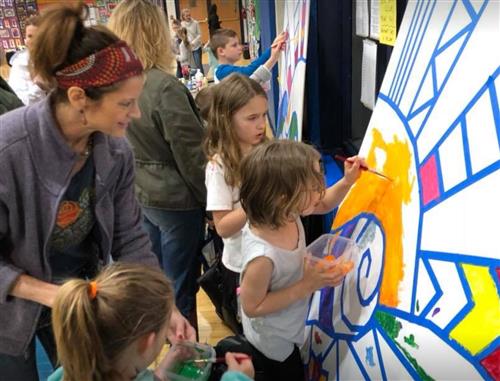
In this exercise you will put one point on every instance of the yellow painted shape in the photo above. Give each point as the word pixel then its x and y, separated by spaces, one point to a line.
pixel 482 324
pixel 385 200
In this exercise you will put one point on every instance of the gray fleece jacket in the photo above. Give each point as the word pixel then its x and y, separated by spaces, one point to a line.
pixel 35 171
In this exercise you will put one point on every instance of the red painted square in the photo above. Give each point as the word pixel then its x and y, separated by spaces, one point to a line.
pixel 492 364
pixel 429 180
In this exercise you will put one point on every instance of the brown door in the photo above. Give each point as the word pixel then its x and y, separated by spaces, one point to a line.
pixel 229 14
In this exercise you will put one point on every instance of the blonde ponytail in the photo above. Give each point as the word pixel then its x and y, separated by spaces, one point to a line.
pixel 92 332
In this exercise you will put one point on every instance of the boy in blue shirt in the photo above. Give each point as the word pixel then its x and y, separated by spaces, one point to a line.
pixel 227 49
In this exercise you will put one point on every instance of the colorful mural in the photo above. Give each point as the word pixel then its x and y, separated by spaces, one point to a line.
pixel 293 70
pixel 423 301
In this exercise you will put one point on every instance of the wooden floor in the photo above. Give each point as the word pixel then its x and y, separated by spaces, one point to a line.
pixel 210 327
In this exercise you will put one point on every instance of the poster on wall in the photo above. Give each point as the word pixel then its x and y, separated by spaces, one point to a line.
pixel 24 9
pixel 104 9
pixel 12 22
pixel 293 70
pixel 251 22
pixel 423 299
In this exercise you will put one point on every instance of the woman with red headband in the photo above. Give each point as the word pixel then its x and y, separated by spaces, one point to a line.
pixel 67 202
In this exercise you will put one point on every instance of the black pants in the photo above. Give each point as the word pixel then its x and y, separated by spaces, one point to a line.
pixel 266 369
pixel 23 367
pixel 231 281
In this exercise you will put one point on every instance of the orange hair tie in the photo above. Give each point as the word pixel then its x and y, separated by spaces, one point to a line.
pixel 93 290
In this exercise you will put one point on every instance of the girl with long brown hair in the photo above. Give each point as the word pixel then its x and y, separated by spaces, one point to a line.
pixel 236 124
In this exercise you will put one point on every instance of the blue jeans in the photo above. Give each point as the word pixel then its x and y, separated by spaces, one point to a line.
pixel 177 237
pixel 197 59
pixel 24 366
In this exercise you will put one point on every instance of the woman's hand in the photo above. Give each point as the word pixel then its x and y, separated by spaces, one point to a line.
pixel 240 365
pixel 179 328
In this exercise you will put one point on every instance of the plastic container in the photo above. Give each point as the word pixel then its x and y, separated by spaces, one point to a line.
pixel 330 249
pixel 183 368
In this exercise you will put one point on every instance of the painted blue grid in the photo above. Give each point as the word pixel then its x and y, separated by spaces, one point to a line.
pixel 393 99
pixel 469 30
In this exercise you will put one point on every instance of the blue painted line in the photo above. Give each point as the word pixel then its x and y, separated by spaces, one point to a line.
pixel 494 105
pixel 450 42
pixel 465 142
pixel 414 55
pixel 402 358
pixel 452 67
pixel 379 355
pixel 416 12
pixel 470 9
pixel 438 291
pixel 358 361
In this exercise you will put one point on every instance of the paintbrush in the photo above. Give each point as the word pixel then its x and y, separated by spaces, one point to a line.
pixel 238 358
pixel 363 167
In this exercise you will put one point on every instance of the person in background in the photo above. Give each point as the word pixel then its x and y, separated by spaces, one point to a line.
pixel 8 99
pixel 194 35
pixel 213 19
pixel 67 200
pixel 175 42
pixel 227 48
pixel 185 57
pixel 21 78
pixel 112 327
pixel 167 142
pixel 204 101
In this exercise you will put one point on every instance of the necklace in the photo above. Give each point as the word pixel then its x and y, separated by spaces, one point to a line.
pixel 88 149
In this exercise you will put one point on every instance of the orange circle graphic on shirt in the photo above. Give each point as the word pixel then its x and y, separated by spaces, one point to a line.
pixel 68 213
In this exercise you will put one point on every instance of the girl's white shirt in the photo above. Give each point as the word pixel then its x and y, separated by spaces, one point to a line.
pixel 276 334
pixel 20 79
pixel 221 196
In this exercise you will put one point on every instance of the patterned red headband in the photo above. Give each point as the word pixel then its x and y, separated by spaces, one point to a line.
pixel 103 68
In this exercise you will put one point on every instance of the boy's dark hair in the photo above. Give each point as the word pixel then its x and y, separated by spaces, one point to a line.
pixel 220 38
pixel 204 101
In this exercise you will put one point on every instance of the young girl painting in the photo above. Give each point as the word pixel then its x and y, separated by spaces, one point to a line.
pixel 281 181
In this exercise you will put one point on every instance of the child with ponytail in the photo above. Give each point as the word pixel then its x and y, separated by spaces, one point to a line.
pixel 114 326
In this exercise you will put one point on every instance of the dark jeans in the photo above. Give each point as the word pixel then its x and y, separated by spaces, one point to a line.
pixel 176 237
pixel 197 59
pixel 23 367
pixel 178 72
pixel 291 369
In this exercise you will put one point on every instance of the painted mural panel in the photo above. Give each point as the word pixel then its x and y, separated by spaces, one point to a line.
pixel 423 301
pixel 293 70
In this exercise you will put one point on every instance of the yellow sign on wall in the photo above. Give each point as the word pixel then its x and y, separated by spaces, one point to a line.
pixel 388 22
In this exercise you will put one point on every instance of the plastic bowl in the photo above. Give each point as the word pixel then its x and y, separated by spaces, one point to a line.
pixel 331 249
pixel 184 368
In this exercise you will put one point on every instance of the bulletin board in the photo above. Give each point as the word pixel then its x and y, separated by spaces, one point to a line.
pixel 12 22
pixel 423 300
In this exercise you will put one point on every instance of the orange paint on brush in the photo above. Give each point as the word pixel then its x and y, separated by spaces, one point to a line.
pixel 385 200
